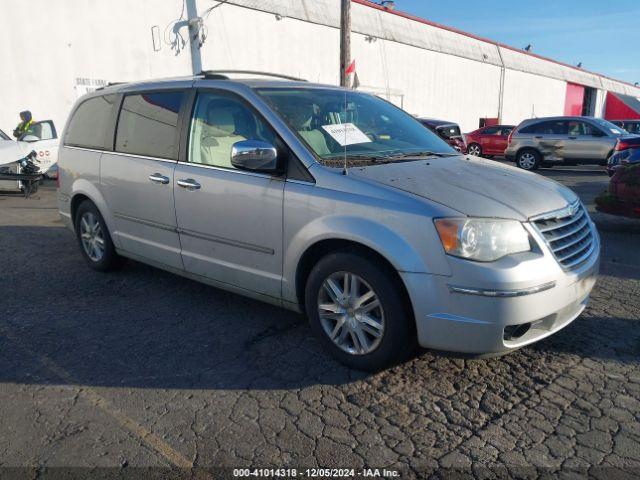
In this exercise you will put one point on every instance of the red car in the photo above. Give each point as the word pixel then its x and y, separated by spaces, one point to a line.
pixel 488 141
pixel 623 196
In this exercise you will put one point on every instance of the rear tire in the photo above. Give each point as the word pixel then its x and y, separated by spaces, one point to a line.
pixel 94 239
pixel 475 149
pixel 528 160
pixel 369 324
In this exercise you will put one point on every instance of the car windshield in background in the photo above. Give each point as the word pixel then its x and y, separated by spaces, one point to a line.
pixel 364 127
pixel 610 127
pixel 4 136
pixel 629 126
pixel 632 127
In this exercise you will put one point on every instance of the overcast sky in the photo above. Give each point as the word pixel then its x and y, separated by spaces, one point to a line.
pixel 602 34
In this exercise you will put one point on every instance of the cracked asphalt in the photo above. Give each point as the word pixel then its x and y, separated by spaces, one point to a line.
pixel 141 368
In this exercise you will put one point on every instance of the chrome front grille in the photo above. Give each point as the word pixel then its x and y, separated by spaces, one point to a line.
pixel 568 235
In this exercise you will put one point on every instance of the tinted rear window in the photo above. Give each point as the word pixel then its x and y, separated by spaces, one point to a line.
pixel 148 124
pixel 87 127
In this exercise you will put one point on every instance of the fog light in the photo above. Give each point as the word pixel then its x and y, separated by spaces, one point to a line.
pixel 513 332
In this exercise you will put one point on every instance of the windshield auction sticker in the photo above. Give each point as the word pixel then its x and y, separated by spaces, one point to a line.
pixel 346 134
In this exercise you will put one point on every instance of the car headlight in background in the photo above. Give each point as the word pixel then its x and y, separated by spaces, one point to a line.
pixel 482 239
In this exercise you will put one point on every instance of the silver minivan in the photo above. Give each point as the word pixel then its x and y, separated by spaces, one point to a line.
pixel 326 201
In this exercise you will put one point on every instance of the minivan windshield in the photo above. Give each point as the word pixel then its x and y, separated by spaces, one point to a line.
pixel 362 127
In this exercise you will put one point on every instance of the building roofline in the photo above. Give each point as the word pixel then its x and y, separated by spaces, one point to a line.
pixel 415 18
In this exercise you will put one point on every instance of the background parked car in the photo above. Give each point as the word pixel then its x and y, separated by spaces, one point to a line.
pixel 631 126
pixel 488 141
pixel 562 140
pixel 44 140
pixel 448 131
pixel 623 195
pixel 626 151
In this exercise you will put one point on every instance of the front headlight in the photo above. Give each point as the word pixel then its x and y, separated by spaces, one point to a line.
pixel 482 239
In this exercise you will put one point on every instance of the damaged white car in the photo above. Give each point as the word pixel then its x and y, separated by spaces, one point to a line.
pixel 43 140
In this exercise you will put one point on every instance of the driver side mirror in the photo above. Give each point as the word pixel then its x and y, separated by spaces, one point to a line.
pixel 255 156
pixel 29 138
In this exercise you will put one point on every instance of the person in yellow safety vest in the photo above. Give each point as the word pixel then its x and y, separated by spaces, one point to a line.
pixel 24 126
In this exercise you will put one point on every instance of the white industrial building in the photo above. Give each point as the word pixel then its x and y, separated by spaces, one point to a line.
pixel 55 51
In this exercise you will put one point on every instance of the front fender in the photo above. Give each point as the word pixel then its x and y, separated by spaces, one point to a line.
pixel 393 247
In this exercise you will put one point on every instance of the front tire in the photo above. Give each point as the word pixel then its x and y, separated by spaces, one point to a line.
pixel 358 312
pixel 94 239
pixel 528 160
pixel 474 149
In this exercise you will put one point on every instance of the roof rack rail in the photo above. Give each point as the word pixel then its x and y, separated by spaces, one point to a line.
pixel 221 74
pixel 110 84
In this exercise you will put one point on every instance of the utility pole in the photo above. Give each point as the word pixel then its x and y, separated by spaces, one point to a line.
pixel 194 24
pixel 345 41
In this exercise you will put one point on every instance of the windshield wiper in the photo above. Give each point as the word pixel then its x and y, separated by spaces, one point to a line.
pixel 383 158
pixel 421 154
pixel 366 157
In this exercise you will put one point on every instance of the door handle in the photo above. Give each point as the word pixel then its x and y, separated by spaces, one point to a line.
pixel 573 138
pixel 189 184
pixel 539 136
pixel 157 178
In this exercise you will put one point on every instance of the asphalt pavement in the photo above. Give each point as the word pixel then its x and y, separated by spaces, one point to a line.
pixel 141 368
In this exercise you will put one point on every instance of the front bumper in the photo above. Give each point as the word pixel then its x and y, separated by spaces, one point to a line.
pixel 534 293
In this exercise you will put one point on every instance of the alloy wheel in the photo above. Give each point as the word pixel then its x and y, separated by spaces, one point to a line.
pixel 527 161
pixel 474 150
pixel 350 313
pixel 92 236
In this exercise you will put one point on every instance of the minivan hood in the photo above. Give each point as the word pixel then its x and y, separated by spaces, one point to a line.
pixel 473 186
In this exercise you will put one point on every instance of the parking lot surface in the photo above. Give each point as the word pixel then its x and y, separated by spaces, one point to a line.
pixel 143 368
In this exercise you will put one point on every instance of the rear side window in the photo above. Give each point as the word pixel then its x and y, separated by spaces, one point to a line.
pixel 528 128
pixel 547 128
pixel 148 124
pixel 491 131
pixel 582 128
pixel 89 123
